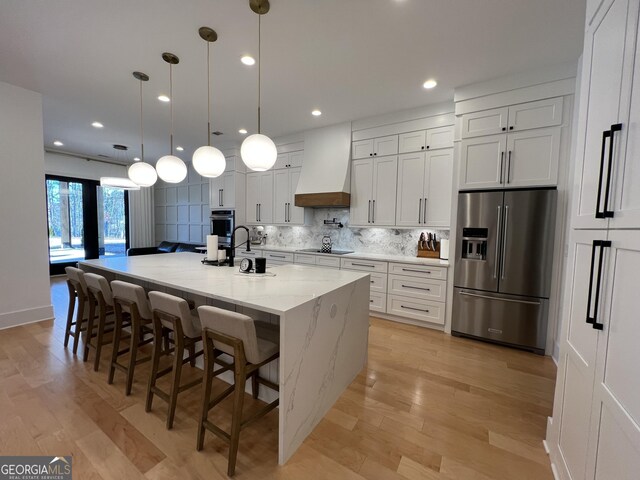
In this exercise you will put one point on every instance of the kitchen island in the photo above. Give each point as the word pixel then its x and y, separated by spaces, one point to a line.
pixel 323 316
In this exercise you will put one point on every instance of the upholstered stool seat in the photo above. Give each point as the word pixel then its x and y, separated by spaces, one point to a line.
pixel 252 344
pixel 171 313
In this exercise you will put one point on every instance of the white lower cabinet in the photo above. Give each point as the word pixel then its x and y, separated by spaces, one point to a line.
pixel 414 287
pixel 416 309
pixel 327 262
pixel 278 258
pixel 377 302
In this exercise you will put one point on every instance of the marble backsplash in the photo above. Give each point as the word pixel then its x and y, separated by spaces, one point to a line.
pixel 392 241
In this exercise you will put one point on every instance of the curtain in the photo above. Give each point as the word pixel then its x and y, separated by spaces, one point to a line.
pixel 141 220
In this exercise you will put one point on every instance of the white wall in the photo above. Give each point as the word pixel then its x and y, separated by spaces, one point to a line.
pixel 70 166
pixel 24 265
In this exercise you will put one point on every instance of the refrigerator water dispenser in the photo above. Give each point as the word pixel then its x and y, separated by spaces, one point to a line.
pixel 474 243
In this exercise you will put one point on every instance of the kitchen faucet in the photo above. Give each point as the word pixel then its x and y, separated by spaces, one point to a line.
pixel 233 246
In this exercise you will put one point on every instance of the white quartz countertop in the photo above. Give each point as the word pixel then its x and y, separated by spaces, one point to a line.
pixel 292 285
pixel 363 256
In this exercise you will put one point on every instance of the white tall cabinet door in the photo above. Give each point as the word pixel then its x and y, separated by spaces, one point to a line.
pixel 385 181
pixel 410 195
pixel 229 189
pixel 486 122
pixel 601 85
pixel 266 197
pixel 616 406
pixel 295 214
pixel 532 158
pixel 281 195
pixel 439 188
pixel 253 194
pixel 482 162
pixel 576 372
pixel 626 196
pixel 361 191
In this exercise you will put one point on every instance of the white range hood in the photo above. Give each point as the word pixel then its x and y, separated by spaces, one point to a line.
pixel 326 170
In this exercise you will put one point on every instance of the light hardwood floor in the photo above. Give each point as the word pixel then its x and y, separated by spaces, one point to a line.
pixel 427 406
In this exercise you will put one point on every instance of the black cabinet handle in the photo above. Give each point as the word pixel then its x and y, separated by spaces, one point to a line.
pixel 371 154
pixel 593 320
pixel 416 288
pixel 416 309
pixel 606 134
pixel 422 148
pixel 614 128
pixel 509 168
pixel 375 154
pixel 427 147
pixel 501 165
pixel 504 129
pixel 511 127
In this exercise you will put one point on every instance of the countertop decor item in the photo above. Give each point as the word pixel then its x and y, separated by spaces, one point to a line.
pixel 208 161
pixel 170 168
pixel 326 244
pixel 142 172
pixel 258 151
pixel 428 246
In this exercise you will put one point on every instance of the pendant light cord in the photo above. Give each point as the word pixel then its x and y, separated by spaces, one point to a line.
pixel 141 127
pixel 208 96
pixel 259 64
pixel 171 104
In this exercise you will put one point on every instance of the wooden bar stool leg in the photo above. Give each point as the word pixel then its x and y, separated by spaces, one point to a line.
pixel 209 363
pixel 79 322
pixel 236 420
pixel 87 338
pixel 133 352
pixel 102 319
pixel 255 385
pixel 192 353
pixel 117 333
pixel 72 305
pixel 175 380
pixel 155 363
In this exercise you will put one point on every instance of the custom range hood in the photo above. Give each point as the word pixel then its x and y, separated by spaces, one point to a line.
pixel 325 175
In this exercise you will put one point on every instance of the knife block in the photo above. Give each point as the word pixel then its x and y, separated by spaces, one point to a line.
pixel 424 253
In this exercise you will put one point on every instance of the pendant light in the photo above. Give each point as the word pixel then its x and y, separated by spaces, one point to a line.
pixel 119 182
pixel 208 161
pixel 142 173
pixel 170 168
pixel 258 151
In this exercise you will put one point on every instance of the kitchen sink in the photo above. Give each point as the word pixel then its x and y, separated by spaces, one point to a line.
pixel 317 250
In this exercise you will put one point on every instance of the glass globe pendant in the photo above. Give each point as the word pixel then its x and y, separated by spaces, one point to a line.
pixel 208 161
pixel 258 152
pixel 171 169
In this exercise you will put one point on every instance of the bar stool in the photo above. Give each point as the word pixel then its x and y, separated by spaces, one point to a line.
pixel 130 300
pixel 172 314
pixel 252 344
pixel 100 296
pixel 77 290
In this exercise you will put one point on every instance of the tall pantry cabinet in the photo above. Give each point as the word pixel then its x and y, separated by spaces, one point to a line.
pixel 595 429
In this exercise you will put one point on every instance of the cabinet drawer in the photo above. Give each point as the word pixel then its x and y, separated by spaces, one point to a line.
pixel 379 282
pixel 363 265
pixel 486 122
pixel 417 309
pixel 329 262
pixel 284 257
pixel 423 271
pixel 415 287
pixel 305 259
pixel 543 113
pixel 377 302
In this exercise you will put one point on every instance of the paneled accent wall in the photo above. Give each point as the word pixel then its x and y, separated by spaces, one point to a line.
pixel 182 209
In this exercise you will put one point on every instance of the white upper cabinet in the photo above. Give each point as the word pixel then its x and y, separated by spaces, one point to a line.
pixel 482 162
pixel 431 139
pixel 543 113
pixel 373 191
pixel 375 147
pixel 224 189
pixel 606 42
pixel 289 160
pixel 295 215
pixel 532 158
pixel 260 197
pixel 486 122
pixel 424 189
pixel 284 187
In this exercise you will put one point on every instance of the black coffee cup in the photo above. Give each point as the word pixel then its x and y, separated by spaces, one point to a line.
pixel 261 265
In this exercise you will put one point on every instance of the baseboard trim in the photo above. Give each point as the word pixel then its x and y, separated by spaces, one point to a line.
pixel 407 321
pixel 24 317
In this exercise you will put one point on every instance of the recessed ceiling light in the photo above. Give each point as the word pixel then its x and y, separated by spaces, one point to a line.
pixel 316 113
pixel 97 125
pixel 248 60
pixel 164 98
pixel 136 159
pixel 58 143
pixel 430 83
pixel 179 148
pixel 242 131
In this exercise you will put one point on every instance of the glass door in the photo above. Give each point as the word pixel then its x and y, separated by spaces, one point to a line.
pixel 84 220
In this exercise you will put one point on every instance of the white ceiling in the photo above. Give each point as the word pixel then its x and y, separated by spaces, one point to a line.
pixel 350 58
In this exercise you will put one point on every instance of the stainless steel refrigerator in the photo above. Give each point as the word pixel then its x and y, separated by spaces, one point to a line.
pixel 503 265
